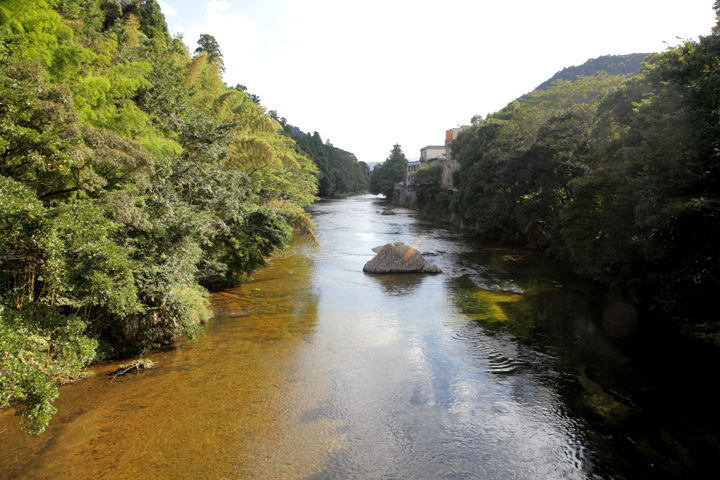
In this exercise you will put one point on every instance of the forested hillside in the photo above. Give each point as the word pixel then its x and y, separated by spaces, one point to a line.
pixel 340 173
pixel 610 64
pixel 131 178
pixel 617 176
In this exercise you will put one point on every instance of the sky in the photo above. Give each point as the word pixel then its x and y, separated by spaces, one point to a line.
pixel 369 74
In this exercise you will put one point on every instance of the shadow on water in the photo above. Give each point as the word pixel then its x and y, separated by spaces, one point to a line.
pixel 620 379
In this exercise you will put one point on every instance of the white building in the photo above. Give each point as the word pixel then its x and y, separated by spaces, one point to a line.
pixel 438 155
pixel 432 155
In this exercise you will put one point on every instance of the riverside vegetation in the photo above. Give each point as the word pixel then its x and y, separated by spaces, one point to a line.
pixel 132 178
pixel 615 175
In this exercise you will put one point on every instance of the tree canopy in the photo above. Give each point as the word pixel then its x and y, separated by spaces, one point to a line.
pixel 339 172
pixel 131 179
pixel 387 174
pixel 208 45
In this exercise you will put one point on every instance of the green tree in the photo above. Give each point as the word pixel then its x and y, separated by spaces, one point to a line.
pixel 516 164
pixel 387 174
pixel 339 172
pixel 208 44
pixel 653 195
pixel 152 20
pixel 60 272
pixel 426 182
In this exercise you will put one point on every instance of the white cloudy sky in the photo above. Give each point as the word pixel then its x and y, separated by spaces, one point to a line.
pixel 369 74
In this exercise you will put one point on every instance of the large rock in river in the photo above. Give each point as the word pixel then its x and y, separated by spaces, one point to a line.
pixel 399 258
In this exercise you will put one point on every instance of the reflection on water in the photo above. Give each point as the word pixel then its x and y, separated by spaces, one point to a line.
pixel 398 284
pixel 503 367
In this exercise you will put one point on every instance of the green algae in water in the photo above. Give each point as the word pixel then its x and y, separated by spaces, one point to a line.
pixel 612 411
pixel 494 307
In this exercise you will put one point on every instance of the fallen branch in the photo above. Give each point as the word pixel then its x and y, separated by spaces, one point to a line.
pixel 134 366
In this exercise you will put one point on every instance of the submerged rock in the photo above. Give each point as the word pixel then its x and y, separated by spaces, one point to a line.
pixel 399 258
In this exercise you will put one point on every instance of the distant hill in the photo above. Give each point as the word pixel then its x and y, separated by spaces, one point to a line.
pixel 611 64
pixel 340 172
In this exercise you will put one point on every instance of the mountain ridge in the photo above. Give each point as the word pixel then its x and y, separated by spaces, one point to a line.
pixel 611 64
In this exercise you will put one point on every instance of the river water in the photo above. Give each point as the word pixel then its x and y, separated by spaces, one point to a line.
pixel 505 366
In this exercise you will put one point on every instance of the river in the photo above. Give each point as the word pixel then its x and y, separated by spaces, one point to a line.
pixel 505 366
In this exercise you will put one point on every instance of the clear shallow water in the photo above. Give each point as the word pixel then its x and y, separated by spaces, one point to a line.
pixel 502 367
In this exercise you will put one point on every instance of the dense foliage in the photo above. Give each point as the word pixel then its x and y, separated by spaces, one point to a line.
pixel 426 183
pixel 339 172
pixel 431 200
pixel 617 176
pixel 131 177
pixel 385 175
